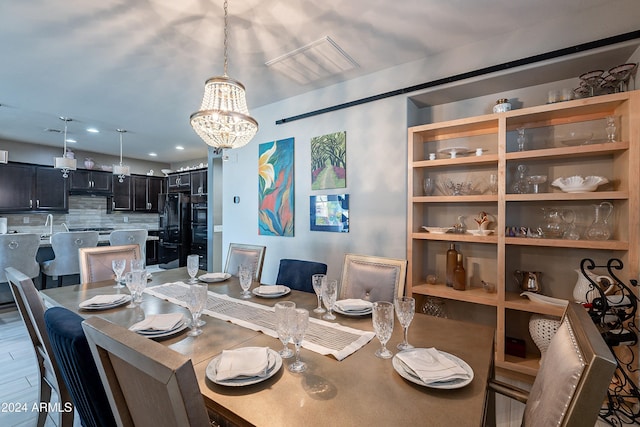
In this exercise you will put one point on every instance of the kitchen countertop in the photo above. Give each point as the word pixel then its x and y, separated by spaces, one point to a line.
pixel 102 238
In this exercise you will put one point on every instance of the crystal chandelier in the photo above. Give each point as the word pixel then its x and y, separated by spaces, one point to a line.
pixel 64 163
pixel 121 170
pixel 223 120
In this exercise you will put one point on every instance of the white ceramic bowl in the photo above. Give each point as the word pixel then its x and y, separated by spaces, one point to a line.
pixel 578 184
pixel 437 230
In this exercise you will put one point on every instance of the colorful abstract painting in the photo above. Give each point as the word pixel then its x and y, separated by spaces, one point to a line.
pixel 276 185
pixel 329 161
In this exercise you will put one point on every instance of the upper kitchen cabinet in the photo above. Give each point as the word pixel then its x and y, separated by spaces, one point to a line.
pixel 32 188
pixel 51 190
pixel 145 193
pixel 122 194
pixel 83 181
pixel 180 181
pixel 199 183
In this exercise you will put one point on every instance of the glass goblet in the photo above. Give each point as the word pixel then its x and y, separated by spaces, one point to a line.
pixel 317 280
pixel 382 317
pixel 135 284
pixel 196 300
pixel 300 324
pixel 193 264
pixel 329 295
pixel 428 186
pixel 405 309
pixel 118 266
pixel 285 315
pixel 245 274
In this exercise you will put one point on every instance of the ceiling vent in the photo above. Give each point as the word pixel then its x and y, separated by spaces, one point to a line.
pixel 316 61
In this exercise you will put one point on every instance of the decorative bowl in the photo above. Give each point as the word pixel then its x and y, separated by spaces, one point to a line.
pixel 437 230
pixel 578 184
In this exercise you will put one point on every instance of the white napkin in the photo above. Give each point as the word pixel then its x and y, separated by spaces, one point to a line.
pixel 271 289
pixel 353 304
pixel 158 323
pixel 215 276
pixel 100 300
pixel 431 366
pixel 243 362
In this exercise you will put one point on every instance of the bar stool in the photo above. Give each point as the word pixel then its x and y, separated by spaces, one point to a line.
pixel 130 237
pixel 19 251
pixel 65 247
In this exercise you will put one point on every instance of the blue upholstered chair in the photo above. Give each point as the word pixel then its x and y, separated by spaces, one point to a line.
pixel 296 273
pixel 79 372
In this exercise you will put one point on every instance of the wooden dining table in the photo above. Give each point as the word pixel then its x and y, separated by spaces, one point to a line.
pixel 361 389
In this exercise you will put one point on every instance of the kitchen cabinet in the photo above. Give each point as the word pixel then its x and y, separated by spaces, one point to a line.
pixel 560 140
pixel 145 193
pixel 199 183
pixel 51 190
pixel 82 181
pixel 179 181
pixel 121 199
pixel 25 188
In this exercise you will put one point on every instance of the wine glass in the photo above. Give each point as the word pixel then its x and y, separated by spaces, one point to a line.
pixel 329 295
pixel 136 282
pixel 118 266
pixel 196 300
pixel 245 274
pixel 522 139
pixel 383 326
pixel 611 128
pixel 405 309
pixel 300 323
pixel 193 264
pixel 493 183
pixel 317 280
pixel 285 315
pixel 428 186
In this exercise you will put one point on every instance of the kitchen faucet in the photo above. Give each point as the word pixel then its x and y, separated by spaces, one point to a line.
pixel 49 222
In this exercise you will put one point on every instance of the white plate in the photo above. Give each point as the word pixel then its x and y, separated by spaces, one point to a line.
pixel 545 299
pixel 437 230
pixel 457 151
pixel 480 232
pixel 125 300
pixel 219 277
pixel 160 334
pixel 405 373
pixel 256 292
pixel 352 313
pixel 275 363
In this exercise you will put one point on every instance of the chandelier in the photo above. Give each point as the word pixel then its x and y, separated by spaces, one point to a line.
pixel 223 120
pixel 64 163
pixel 121 170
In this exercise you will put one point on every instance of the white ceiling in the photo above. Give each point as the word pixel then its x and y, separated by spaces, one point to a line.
pixel 141 64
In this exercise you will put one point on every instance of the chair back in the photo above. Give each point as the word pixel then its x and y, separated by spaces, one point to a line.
pixel 95 263
pixel 297 274
pixel 130 237
pixel 79 371
pixel 31 309
pixel 148 384
pixel 65 247
pixel 372 278
pixel 572 382
pixel 240 254
pixel 19 251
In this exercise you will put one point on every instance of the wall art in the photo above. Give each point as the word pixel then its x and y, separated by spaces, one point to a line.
pixel 276 188
pixel 329 161
pixel 330 213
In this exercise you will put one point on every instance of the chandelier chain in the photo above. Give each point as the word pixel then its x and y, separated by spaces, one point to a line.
pixel 226 35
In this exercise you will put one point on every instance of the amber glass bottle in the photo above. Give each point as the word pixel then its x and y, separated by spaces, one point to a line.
pixel 452 255
pixel 459 275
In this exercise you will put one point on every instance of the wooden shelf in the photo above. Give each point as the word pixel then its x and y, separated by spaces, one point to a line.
pixel 482 198
pixel 528 365
pixel 613 245
pixel 456 237
pixel 545 197
pixel 485 159
pixel 572 152
pixel 474 295
pixel 514 301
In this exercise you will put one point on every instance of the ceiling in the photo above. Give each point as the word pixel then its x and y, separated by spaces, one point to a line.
pixel 140 65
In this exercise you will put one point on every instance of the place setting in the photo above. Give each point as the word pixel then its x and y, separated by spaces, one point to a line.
pixel 161 325
pixel 353 307
pixel 243 366
pixel 271 291
pixel 105 302
pixel 214 277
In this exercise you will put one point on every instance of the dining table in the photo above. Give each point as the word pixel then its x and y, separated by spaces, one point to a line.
pixel 352 389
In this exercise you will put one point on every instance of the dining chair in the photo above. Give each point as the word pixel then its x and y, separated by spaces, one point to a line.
pixel 297 274
pixel 31 309
pixel 372 278
pixel 240 254
pixel 19 251
pixel 573 378
pixel 147 383
pixel 65 247
pixel 95 263
pixel 79 372
pixel 130 237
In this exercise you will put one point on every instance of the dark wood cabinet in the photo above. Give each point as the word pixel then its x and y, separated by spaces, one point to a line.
pixel 199 183
pixel 51 190
pixel 83 181
pixel 145 193
pixel 180 181
pixel 121 199
pixel 26 188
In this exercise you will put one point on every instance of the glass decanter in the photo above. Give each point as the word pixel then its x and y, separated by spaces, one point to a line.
pixel 521 183
pixel 600 228
pixel 521 139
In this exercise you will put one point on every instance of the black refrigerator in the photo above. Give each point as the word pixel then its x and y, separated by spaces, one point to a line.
pixel 175 230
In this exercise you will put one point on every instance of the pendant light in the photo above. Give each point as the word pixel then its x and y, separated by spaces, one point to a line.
pixel 223 120
pixel 64 163
pixel 121 170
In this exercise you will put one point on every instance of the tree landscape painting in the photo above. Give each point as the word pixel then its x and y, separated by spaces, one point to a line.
pixel 329 161
pixel 276 189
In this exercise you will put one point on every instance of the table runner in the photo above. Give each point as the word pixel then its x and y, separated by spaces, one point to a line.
pixel 321 336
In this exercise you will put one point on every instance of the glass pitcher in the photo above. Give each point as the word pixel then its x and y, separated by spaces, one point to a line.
pixel 600 228
pixel 553 225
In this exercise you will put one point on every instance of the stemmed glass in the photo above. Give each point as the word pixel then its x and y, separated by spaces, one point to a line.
pixel 382 316
pixel 405 309
pixel 300 323
pixel 245 274
pixel 285 315
pixel 196 300
pixel 522 139
pixel 118 266
pixel 317 280
pixel 136 282
pixel 329 295
pixel 611 128
pixel 193 264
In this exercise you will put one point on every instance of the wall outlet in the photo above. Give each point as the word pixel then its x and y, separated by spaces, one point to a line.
pixel 126 219
pixel 25 220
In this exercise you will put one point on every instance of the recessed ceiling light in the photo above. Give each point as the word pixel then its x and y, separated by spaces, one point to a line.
pixel 71 141
pixel 93 130
pixel 179 147
pixel 153 154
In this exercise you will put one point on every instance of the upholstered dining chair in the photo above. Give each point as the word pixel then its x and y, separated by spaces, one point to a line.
pixel 65 247
pixel 19 251
pixel 95 263
pixel 573 378
pixel 372 278
pixel 79 372
pixel 130 237
pixel 297 274
pixel 31 309
pixel 147 383
pixel 240 254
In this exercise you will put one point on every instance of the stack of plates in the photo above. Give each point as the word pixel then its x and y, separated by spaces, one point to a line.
pixel 173 326
pixel 352 307
pixel 274 365
pixel 282 290
pixel 105 302
pixel 409 374
pixel 214 277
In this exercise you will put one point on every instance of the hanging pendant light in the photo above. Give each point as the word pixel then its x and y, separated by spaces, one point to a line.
pixel 121 170
pixel 223 120
pixel 64 163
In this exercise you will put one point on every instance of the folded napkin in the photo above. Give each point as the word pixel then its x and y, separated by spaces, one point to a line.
pixel 215 276
pixel 99 300
pixel 354 304
pixel 271 289
pixel 158 323
pixel 431 366
pixel 243 362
